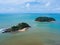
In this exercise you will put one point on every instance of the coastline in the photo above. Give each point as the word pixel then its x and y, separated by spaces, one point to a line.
pixel 22 30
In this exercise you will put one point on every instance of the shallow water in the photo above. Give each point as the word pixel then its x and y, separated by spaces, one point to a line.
pixel 39 34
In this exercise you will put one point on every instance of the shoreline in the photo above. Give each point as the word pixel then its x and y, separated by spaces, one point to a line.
pixel 22 30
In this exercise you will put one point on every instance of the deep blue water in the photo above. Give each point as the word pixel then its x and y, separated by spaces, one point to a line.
pixel 47 33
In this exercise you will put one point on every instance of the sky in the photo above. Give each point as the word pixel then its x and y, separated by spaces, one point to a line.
pixel 29 6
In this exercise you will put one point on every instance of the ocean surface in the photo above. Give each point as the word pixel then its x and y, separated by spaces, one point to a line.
pixel 40 33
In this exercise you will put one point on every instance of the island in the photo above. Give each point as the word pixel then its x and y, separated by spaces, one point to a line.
pixel 20 27
pixel 45 19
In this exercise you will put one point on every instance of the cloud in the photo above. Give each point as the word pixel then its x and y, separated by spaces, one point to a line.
pixel 31 6
pixel 11 1
pixel 7 10
pixel 57 9
pixel 47 4
pixel 27 5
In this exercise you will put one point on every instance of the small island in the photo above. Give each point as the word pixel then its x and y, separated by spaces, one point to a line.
pixel 19 27
pixel 45 19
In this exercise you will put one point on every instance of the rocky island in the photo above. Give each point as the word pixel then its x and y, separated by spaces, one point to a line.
pixel 19 27
pixel 45 19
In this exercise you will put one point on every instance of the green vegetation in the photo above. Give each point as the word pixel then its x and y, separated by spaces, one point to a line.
pixel 44 19
pixel 17 27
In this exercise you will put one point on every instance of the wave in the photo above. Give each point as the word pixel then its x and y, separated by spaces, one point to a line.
pixel 2 30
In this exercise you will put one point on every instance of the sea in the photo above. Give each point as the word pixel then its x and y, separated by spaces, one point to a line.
pixel 40 33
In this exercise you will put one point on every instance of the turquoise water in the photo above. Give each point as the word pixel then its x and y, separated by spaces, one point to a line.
pixel 40 33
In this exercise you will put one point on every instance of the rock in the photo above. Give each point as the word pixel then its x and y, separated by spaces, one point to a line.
pixel 44 19
pixel 20 26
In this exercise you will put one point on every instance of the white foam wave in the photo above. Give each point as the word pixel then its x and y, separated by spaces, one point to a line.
pixel 2 30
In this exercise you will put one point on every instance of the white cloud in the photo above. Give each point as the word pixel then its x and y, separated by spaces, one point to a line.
pixel 19 5
pixel 27 5
pixel 8 9
pixel 12 1
pixel 57 9
pixel 47 4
